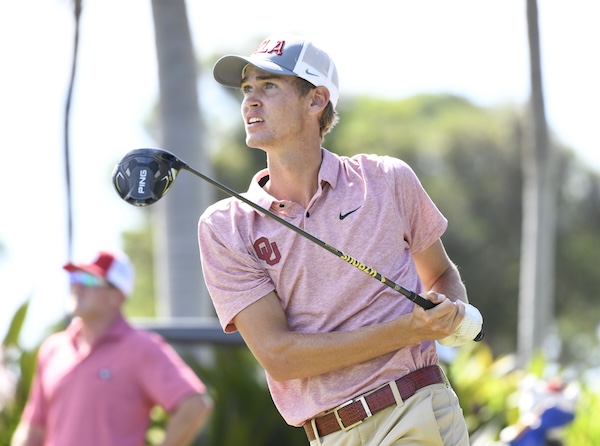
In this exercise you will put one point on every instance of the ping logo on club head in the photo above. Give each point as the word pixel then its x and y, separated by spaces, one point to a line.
pixel 142 181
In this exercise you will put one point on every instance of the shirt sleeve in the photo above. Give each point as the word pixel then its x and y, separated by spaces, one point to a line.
pixel 169 379
pixel 233 276
pixel 426 223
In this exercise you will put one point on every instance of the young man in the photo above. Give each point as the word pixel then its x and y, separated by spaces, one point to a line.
pixel 97 381
pixel 346 357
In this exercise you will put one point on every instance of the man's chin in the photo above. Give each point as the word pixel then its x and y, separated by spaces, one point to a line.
pixel 254 142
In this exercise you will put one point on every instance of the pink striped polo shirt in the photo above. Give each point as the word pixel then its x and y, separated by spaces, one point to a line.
pixel 370 207
pixel 105 398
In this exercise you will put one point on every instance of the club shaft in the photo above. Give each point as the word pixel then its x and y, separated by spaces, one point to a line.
pixel 419 300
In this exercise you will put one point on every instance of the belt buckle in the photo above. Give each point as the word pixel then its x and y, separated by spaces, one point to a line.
pixel 365 406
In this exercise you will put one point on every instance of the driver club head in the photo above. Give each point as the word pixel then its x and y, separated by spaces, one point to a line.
pixel 143 176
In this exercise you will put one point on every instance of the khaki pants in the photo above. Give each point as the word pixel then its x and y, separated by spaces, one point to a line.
pixel 432 416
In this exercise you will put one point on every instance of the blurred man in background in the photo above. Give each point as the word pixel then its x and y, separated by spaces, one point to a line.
pixel 97 381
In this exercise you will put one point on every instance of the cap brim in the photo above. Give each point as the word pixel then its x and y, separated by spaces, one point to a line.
pixel 228 69
pixel 92 269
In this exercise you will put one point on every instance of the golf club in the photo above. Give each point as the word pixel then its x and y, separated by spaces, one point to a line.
pixel 143 176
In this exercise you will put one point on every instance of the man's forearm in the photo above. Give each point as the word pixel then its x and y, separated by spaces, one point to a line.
pixel 27 435
pixel 451 285
pixel 187 420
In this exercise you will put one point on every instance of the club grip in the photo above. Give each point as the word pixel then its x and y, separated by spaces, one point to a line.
pixel 421 301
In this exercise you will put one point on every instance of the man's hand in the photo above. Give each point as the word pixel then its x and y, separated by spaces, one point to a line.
pixel 467 330
pixel 440 321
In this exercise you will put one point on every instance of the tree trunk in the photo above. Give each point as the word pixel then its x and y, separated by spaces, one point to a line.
pixel 180 287
pixel 536 298
pixel 77 7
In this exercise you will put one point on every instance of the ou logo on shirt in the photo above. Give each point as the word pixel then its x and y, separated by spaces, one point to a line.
pixel 269 252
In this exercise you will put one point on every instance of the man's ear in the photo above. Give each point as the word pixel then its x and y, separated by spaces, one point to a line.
pixel 118 297
pixel 320 98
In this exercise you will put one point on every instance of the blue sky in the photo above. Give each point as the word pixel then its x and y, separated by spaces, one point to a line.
pixel 467 47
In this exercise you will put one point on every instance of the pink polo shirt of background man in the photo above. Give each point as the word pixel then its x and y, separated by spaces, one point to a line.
pixel 105 398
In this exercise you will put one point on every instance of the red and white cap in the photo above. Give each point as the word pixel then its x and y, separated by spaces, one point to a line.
pixel 285 54
pixel 113 266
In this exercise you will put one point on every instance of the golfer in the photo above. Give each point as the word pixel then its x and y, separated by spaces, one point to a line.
pixel 347 358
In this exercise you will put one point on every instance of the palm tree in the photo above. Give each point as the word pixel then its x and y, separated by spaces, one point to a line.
pixel 180 287
pixel 536 298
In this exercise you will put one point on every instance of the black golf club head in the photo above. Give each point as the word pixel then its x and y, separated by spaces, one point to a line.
pixel 143 176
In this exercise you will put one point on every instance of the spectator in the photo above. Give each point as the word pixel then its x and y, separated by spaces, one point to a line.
pixel 97 380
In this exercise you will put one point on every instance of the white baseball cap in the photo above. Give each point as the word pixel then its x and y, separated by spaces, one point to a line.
pixel 285 54
pixel 113 266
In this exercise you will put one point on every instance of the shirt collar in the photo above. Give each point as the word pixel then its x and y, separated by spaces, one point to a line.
pixel 328 172
pixel 330 167
pixel 117 330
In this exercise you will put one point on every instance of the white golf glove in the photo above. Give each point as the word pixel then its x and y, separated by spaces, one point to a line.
pixel 468 329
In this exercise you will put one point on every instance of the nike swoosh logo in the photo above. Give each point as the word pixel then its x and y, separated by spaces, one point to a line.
pixel 309 73
pixel 342 216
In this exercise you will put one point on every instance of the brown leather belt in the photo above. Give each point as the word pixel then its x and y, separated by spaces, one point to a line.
pixel 358 409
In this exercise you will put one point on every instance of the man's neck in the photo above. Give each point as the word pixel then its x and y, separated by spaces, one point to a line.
pixel 93 328
pixel 294 176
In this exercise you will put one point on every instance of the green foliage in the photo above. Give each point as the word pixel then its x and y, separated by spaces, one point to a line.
pixel 16 324
pixel 483 385
pixel 138 245
pixel 488 389
pixel 585 429
pixel 22 362
pixel 236 167
pixel 244 411
pixel 578 257
pixel 417 125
